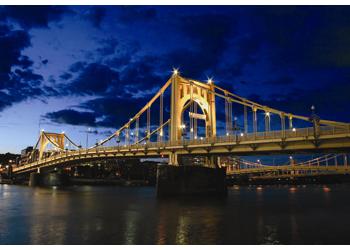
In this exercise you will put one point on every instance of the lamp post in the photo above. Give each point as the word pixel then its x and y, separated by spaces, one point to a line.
pixel 87 137
pixel 315 119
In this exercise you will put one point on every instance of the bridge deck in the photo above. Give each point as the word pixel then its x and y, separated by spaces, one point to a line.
pixel 330 138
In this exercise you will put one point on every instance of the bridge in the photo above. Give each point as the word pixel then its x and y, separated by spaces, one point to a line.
pixel 168 126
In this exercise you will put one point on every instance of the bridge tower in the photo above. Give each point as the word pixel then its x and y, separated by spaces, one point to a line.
pixel 55 139
pixel 185 92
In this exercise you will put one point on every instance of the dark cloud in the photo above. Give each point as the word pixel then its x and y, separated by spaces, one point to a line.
pixel 33 16
pixel 210 35
pixel 66 76
pixel 109 46
pixel 73 117
pixel 94 79
pixel 78 66
pixel 96 15
pixel 283 80
pixel 132 14
pixel 18 81
pixel 12 43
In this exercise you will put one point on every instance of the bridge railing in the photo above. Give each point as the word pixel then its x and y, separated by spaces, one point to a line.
pixel 239 137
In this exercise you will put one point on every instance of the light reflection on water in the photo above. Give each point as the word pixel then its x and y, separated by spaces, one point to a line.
pixel 312 214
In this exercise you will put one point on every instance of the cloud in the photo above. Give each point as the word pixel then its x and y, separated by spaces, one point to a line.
pixel 282 80
pixel 109 46
pixel 132 14
pixel 12 42
pixel 33 16
pixel 96 15
pixel 73 117
pixel 94 79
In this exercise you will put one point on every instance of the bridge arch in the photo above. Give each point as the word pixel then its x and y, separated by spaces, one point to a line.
pixel 204 115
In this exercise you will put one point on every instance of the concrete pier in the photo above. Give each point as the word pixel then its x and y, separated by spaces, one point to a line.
pixel 48 179
pixel 190 180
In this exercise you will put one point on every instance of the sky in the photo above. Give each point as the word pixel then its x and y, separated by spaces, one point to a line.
pixel 70 68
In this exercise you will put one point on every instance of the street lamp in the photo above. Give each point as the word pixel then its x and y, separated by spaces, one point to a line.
pixel 87 137
pixel 315 119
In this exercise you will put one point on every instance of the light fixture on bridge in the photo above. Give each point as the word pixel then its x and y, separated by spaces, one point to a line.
pixel 242 134
pixel 201 138
pixel 294 129
pixel 132 133
pixel 227 134
pixel 195 137
pixel 267 113
pixel 42 130
pixel 191 129
pixel 182 126
pixel 210 80
pixel 175 71
pixel 161 133
pixel 291 157
pixel 62 132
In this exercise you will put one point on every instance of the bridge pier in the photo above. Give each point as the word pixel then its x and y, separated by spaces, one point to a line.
pixel 173 159
pixel 47 179
pixel 190 180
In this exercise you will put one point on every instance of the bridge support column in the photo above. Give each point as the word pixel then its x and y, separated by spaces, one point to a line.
pixel 47 179
pixel 173 159
pixel 190 180
pixel 213 161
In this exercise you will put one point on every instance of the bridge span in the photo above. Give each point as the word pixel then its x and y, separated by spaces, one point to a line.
pixel 170 135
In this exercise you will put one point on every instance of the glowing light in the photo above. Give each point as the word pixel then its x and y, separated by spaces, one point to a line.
pixel 161 133
pixel 130 119
pixel 201 138
pixel 191 129
pixel 42 130
pixel 62 132
pixel 195 137
pixel 210 80
pixel 131 133
pixel 175 71
pixel 227 134
pixel 293 129
pixel 326 189
pixel 183 126
pixel 267 113
pixel 242 134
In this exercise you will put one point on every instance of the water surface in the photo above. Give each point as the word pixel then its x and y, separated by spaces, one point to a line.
pixel 312 214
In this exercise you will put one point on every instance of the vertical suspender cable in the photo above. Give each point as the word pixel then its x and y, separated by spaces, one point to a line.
pixel 195 109
pixel 148 122
pixel 137 130
pixel 245 119
pixel 160 134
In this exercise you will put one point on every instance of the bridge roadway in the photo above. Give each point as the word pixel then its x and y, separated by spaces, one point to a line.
pixel 329 139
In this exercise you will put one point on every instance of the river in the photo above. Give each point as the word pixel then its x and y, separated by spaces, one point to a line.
pixel 309 214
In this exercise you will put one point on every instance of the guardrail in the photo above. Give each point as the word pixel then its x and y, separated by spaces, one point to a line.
pixel 237 138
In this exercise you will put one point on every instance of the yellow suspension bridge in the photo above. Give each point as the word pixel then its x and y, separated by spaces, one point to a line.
pixel 167 135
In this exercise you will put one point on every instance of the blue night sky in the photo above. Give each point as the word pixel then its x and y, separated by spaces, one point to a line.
pixel 74 67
